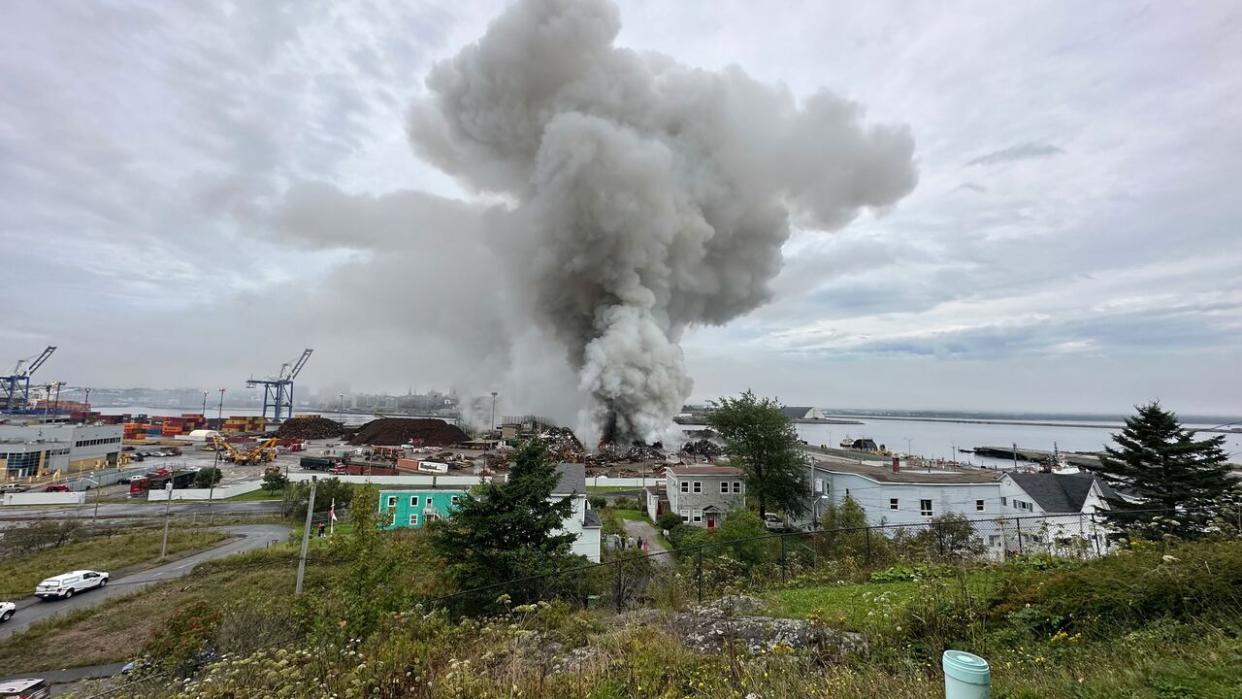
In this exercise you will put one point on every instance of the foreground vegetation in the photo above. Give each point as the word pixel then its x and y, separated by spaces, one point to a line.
pixel 1152 621
pixel 61 547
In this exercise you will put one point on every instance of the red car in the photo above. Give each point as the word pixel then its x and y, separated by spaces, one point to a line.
pixel 56 488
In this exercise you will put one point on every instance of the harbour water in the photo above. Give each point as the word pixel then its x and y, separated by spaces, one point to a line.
pixel 938 439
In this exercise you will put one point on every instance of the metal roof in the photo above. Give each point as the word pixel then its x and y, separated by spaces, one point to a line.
pixel 884 474
pixel 705 470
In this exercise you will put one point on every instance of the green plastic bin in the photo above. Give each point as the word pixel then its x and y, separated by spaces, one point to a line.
pixel 966 675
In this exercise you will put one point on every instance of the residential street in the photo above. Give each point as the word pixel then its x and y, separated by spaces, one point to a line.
pixel 252 536
pixel 139 509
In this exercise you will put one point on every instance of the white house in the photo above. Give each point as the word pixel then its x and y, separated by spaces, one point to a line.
pixel 1011 512
pixel 583 522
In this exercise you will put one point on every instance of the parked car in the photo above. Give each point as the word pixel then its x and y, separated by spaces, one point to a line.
pixel 6 611
pixel 14 488
pixel 774 523
pixel 28 688
pixel 67 585
pixel 57 488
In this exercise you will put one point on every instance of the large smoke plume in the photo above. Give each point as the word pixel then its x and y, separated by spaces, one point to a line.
pixel 648 197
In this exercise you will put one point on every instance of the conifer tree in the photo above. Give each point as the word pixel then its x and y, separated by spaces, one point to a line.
pixel 505 531
pixel 1175 479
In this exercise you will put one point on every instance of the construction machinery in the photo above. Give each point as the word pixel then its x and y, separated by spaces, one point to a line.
pixel 278 391
pixel 260 453
pixel 16 386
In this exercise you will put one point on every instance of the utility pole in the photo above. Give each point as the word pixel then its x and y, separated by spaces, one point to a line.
pixel 310 508
pixel 493 427
pixel 1015 456
pixel 204 404
pixel 908 452
pixel 96 515
pixel 220 411
pixel 211 492
pixel 168 487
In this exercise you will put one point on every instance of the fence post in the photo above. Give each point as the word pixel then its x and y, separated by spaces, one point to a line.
pixel 867 534
pixel 784 567
pixel 939 538
pixel 699 573
pixel 1017 522
pixel 618 592
pixel 814 549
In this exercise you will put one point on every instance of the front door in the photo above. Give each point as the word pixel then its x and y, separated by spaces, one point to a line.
pixel 711 519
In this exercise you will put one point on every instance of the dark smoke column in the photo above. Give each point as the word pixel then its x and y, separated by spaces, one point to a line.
pixel 650 196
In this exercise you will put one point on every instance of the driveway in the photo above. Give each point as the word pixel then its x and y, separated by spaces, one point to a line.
pixel 648 533
pixel 251 536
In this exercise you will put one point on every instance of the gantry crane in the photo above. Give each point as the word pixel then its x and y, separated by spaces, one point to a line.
pixel 278 391
pixel 16 386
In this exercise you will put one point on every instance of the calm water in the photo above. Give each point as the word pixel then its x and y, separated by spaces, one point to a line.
pixel 347 418
pixel 937 439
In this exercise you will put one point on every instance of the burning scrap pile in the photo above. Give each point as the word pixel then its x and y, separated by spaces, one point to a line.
pixel 563 444
pixel 418 431
pixel 310 427
pixel 702 447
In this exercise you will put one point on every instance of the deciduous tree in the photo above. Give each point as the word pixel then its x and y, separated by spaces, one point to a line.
pixel 761 441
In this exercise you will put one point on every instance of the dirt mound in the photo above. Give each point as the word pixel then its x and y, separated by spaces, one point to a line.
pixel 310 427
pixel 419 431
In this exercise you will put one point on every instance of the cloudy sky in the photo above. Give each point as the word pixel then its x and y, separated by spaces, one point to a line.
pixel 192 192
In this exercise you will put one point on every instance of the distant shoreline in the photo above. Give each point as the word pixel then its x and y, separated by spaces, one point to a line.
pixel 1000 421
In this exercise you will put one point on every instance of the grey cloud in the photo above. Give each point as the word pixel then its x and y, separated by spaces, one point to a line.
pixel 1025 151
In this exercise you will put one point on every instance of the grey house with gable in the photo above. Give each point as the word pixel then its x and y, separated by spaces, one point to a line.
pixel 701 495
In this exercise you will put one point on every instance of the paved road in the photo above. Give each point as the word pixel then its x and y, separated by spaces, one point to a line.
pixel 251 536
pixel 140 509
pixel 643 529
pixel 70 675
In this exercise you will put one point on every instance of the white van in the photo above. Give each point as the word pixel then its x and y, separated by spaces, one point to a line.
pixel 65 585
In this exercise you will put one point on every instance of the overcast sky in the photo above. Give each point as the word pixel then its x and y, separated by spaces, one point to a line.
pixel 179 182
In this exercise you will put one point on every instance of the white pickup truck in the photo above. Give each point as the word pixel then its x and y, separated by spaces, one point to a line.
pixel 6 610
pixel 65 585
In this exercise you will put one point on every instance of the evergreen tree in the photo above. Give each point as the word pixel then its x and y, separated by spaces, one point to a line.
pixel 761 441
pixel 1175 478
pixel 505 531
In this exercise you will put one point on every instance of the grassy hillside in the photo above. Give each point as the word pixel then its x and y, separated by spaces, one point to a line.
pixel 1144 623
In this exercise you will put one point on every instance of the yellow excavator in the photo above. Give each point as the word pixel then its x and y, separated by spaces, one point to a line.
pixel 261 453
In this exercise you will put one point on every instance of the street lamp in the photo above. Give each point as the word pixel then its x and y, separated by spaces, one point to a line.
pixel 493 428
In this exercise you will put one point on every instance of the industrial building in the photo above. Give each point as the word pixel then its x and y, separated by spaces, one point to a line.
pixel 34 447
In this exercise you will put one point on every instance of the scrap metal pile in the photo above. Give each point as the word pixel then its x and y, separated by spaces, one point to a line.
pixel 310 427
pixel 417 431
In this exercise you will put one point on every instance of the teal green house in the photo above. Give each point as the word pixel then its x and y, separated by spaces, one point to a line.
pixel 414 508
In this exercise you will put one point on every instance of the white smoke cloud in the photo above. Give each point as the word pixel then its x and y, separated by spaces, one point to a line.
pixel 649 196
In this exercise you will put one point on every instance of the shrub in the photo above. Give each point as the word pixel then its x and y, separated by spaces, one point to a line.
pixel 1132 588
pixel 273 479
pixel 669 521
pixel 207 477
pixel 597 502
pixel 180 645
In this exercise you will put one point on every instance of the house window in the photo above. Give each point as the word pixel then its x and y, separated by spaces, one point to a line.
pixel 892 504
pixel 925 508
pixel 685 515
pixel 724 487
pixel 698 486
pixel 456 499
pixel 698 515
pixel 1004 501
pixel 847 492
pixel 685 486
pixel 737 486
pixel 994 540
pixel 978 506
pixel 413 501
pixel 414 520
pixel 392 501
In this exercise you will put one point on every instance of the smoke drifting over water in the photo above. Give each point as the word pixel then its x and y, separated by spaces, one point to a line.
pixel 648 196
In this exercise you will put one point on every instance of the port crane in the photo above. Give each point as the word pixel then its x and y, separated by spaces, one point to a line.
pixel 278 391
pixel 16 386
